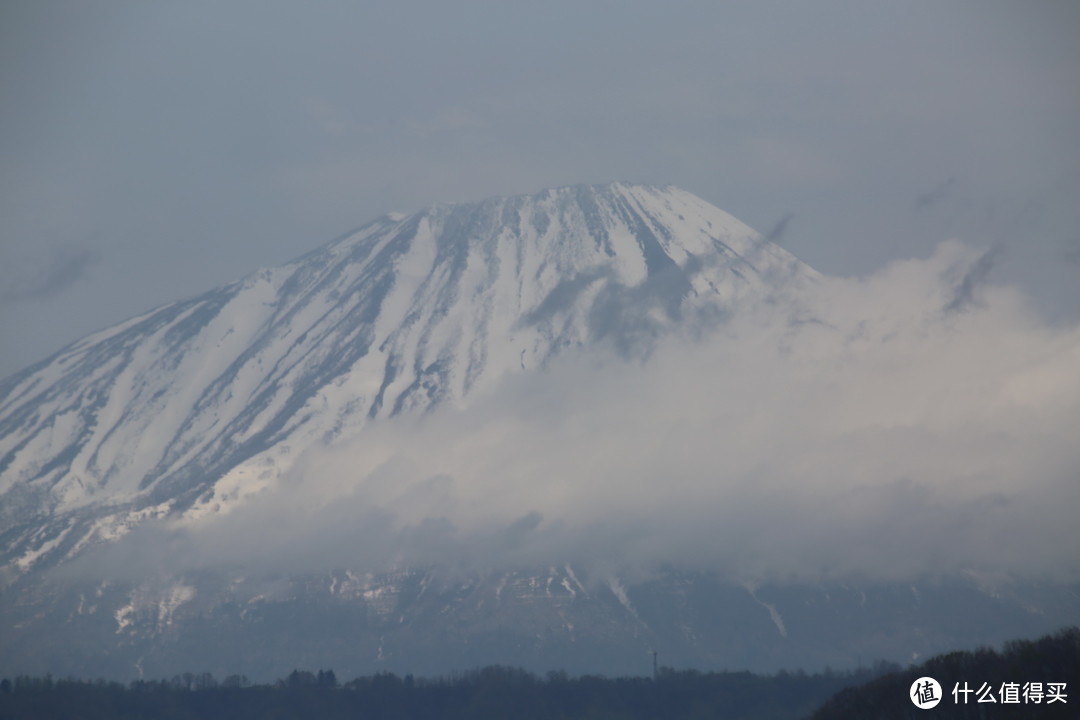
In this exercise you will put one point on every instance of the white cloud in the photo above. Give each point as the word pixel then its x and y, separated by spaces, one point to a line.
pixel 871 433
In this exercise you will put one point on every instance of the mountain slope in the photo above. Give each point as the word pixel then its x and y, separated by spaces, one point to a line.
pixel 205 401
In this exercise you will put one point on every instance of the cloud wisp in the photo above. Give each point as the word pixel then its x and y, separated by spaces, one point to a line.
pixel 65 267
pixel 973 277
pixel 871 434
pixel 933 197
pixel 776 235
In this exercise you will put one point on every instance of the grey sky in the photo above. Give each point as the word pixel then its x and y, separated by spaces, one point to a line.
pixel 151 151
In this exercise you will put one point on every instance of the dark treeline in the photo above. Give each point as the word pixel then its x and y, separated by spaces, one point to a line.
pixel 492 692
pixel 1019 679
pixel 881 692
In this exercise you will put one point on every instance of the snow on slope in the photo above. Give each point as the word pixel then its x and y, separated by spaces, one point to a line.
pixel 206 400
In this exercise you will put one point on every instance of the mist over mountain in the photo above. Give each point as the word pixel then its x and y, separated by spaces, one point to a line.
pixel 577 424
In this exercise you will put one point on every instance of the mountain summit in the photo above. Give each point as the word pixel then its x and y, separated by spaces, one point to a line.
pixel 209 399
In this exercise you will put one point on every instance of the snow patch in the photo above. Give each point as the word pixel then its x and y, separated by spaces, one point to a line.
pixel 619 591
pixel 774 615
pixel 28 559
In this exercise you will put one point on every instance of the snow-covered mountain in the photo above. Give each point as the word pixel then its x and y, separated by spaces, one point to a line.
pixel 190 411
pixel 205 401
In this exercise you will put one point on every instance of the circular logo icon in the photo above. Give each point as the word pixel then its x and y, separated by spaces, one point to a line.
pixel 925 693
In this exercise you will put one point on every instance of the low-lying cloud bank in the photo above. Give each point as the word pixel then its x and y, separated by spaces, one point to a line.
pixel 915 422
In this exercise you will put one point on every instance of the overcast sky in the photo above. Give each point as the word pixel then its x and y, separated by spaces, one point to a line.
pixel 152 151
